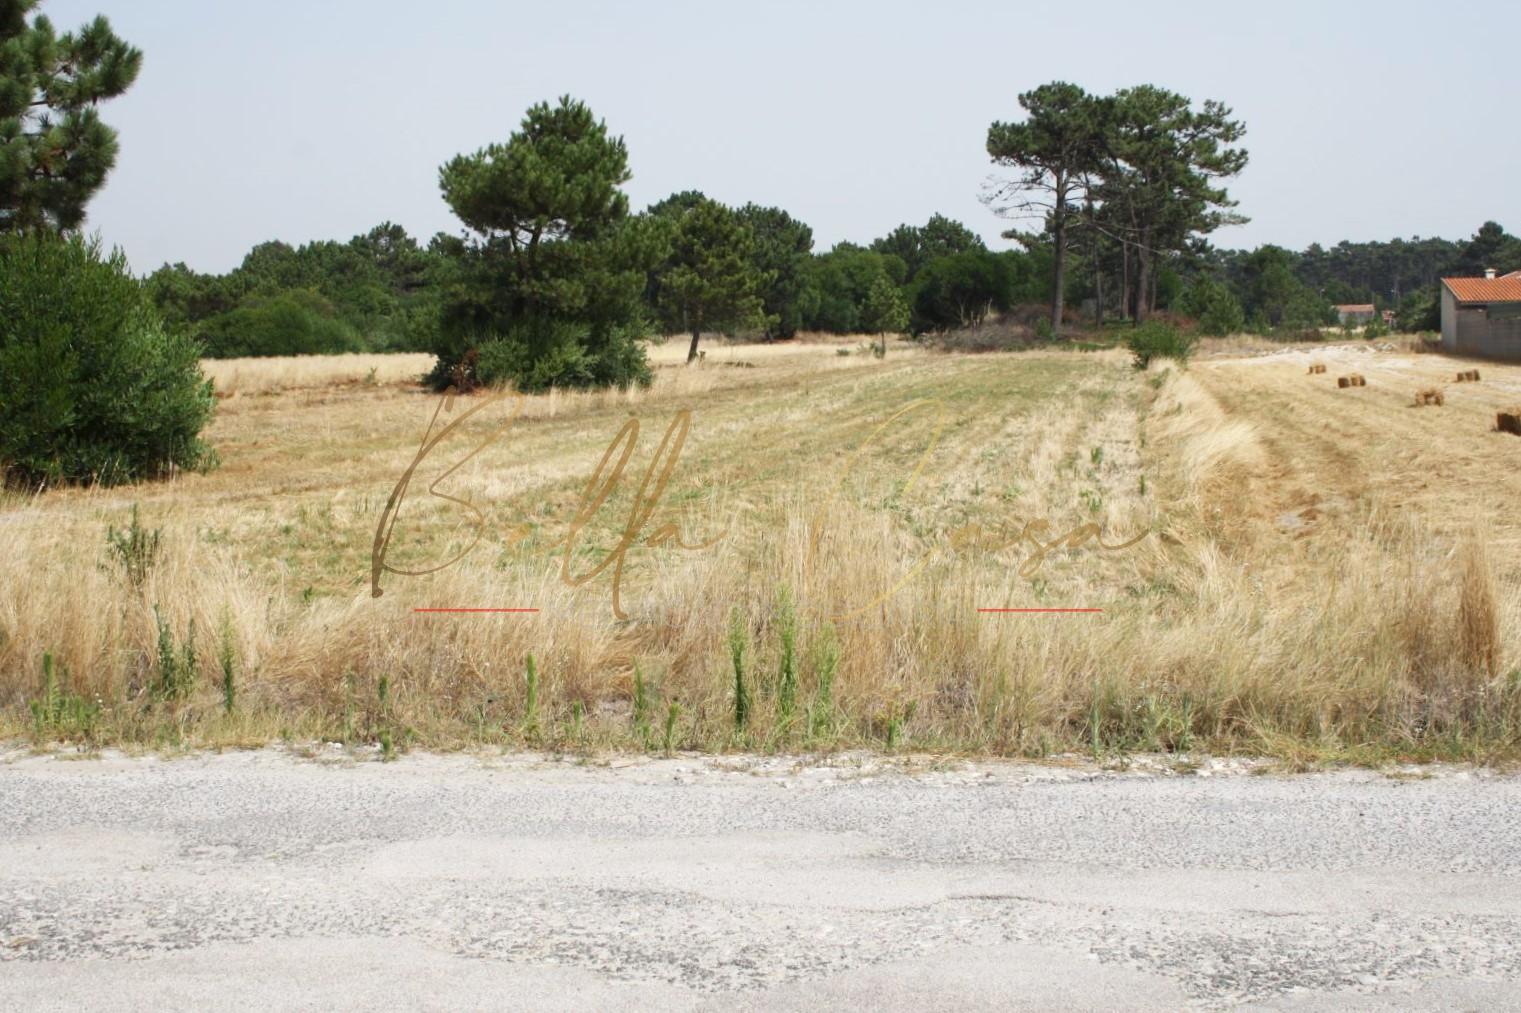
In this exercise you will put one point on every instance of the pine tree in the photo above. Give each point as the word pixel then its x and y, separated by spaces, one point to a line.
pixel 884 312
pixel 55 151
pixel 1165 163
pixel 1056 145
pixel 709 281
pixel 782 251
pixel 554 276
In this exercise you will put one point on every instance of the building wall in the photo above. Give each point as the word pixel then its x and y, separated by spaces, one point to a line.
pixel 1493 331
pixel 1449 320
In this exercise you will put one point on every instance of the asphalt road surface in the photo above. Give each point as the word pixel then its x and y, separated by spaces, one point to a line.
pixel 263 880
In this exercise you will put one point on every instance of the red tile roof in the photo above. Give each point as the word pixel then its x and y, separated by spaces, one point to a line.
pixel 1507 289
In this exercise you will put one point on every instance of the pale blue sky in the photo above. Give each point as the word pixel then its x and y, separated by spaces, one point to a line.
pixel 306 120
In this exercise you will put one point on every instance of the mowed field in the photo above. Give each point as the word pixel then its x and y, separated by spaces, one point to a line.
pixel 1306 572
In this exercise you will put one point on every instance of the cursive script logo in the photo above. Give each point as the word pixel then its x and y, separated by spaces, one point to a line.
pixel 602 484
pixel 1035 534
pixel 645 501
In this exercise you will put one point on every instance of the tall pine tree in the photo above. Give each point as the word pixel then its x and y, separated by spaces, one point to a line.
pixel 1056 145
pixel 55 150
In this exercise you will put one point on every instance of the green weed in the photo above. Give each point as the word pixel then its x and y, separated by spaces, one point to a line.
pixel 786 676
pixel 738 642
pixel 531 703
pixel 668 740
pixel 135 548
pixel 825 657
pixel 641 713
pixel 176 667
pixel 228 660
pixel 57 713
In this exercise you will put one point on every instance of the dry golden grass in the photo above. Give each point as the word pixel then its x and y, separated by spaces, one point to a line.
pixel 1312 583
pixel 232 377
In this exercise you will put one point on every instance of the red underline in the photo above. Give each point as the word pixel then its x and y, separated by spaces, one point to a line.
pixel 1028 611
pixel 475 610
pixel 520 611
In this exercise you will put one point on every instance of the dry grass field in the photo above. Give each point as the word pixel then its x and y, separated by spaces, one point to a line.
pixel 1321 573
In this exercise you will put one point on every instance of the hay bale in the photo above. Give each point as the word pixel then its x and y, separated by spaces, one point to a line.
pixel 1440 399
pixel 1429 395
pixel 1343 382
pixel 1474 373
pixel 1357 380
pixel 1509 421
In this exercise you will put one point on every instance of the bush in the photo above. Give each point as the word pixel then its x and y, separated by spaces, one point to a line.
pixel 95 388
pixel 299 322
pixel 1216 308
pixel 533 359
pixel 961 290
pixel 1156 340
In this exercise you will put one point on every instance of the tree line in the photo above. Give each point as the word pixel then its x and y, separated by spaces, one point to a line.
pixel 693 266
pixel 1273 290
pixel 553 280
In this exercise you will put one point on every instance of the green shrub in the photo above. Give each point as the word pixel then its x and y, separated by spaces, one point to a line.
pixel 299 322
pixel 95 388
pixel 1156 340
pixel 1215 306
pixel 554 363
pixel 534 358
pixel 961 289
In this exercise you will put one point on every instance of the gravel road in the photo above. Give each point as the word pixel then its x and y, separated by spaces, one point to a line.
pixel 266 880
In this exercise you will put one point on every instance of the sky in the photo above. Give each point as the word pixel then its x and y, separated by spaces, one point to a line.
pixel 318 120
